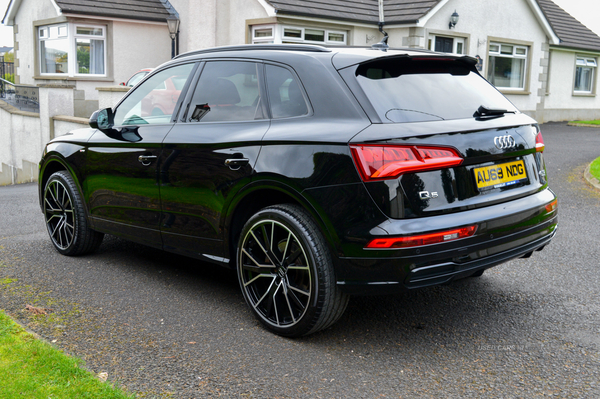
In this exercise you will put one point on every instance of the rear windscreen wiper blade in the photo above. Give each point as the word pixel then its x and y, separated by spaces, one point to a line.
pixel 485 112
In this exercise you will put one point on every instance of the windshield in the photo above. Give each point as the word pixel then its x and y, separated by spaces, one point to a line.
pixel 419 90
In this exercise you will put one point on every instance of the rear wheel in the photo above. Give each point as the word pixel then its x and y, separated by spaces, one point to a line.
pixel 65 217
pixel 286 273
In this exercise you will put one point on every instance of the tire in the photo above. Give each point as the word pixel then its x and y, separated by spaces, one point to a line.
pixel 66 218
pixel 285 271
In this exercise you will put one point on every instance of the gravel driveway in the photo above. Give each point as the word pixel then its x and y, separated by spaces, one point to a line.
pixel 165 326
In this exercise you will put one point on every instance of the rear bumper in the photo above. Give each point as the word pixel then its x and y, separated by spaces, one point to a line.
pixel 505 232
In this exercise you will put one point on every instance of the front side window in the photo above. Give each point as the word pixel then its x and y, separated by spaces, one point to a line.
pixel 584 74
pixel 72 49
pixel 227 91
pixel 507 65
pixel 154 101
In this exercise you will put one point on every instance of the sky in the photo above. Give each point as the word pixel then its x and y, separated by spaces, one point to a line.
pixel 586 11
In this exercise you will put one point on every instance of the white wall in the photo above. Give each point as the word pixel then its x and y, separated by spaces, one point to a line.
pixel 562 78
pixel 109 96
pixel 561 102
pixel 20 147
pixel 24 134
pixel 215 23
pixel 136 46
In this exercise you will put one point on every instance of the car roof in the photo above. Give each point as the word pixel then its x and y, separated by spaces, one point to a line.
pixel 341 56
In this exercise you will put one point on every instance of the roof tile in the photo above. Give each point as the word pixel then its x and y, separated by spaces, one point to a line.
pixel 570 31
pixel 149 10
pixel 396 11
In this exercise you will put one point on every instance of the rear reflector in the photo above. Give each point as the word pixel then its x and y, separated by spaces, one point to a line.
pixel 380 162
pixel 423 239
pixel 551 207
pixel 539 143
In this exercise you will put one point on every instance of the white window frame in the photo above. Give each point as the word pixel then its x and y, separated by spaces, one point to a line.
pixel 456 40
pixel 278 35
pixel 72 36
pixel 516 48
pixel 590 63
pixel 263 39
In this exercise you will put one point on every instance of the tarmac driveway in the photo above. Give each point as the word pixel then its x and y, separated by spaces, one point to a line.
pixel 167 326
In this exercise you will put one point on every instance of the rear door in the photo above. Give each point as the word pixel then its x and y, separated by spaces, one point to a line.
pixel 210 153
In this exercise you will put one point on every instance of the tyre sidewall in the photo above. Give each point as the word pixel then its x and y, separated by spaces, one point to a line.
pixel 79 217
pixel 311 316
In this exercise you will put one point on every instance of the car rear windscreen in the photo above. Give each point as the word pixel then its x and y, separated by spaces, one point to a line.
pixel 418 90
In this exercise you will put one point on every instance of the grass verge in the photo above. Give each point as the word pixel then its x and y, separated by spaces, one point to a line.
pixel 596 122
pixel 30 368
pixel 595 168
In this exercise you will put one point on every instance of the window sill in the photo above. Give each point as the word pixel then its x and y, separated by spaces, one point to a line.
pixel 515 92
pixel 583 94
pixel 74 78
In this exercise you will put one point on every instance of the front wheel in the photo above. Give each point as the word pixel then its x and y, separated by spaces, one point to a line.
pixel 66 219
pixel 286 273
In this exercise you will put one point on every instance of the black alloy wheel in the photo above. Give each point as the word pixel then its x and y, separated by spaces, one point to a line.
pixel 65 217
pixel 286 273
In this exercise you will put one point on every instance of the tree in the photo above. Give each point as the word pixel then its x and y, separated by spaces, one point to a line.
pixel 9 57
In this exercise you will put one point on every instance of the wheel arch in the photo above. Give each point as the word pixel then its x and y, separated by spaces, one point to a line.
pixel 52 165
pixel 261 194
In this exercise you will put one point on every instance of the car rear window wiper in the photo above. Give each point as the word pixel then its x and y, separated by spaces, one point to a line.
pixel 484 112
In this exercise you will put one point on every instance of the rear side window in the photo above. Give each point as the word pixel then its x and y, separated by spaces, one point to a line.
pixel 285 94
pixel 413 90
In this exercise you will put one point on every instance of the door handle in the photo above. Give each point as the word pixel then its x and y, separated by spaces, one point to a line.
pixel 146 160
pixel 236 163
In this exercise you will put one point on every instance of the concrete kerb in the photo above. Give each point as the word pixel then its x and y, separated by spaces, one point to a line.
pixel 591 179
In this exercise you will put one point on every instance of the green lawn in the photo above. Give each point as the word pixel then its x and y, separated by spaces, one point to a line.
pixel 587 122
pixel 595 168
pixel 30 368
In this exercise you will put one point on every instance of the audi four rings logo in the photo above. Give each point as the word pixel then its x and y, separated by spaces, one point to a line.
pixel 504 142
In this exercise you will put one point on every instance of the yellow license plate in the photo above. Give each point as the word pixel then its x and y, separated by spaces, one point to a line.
pixel 501 175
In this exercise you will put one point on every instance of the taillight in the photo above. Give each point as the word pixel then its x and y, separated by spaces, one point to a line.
pixel 380 162
pixel 539 143
pixel 422 239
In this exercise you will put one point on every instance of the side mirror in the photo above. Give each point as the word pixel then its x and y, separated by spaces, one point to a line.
pixel 102 119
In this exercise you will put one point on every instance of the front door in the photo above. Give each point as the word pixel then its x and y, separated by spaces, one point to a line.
pixel 121 183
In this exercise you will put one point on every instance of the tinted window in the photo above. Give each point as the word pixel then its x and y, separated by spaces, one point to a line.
pixel 285 95
pixel 136 78
pixel 226 91
pixel 423 90
pixel 153 101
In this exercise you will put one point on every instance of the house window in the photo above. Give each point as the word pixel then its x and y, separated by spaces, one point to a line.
pixel 74 50
pixel 89 43
pixel 312 35
pixel 507 65
pixel 444 44
pixel 263 34
pixel 54 49
pixel 296 34
pixel 584 75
